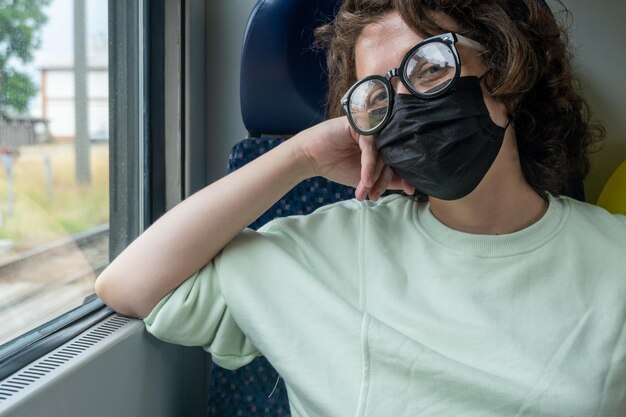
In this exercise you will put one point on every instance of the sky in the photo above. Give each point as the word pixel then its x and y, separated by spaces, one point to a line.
pixel 57 35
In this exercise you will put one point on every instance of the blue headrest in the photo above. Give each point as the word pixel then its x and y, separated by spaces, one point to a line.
pixel 283 80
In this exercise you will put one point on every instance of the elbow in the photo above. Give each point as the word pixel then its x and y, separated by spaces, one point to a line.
pixel 114 295
pixel 101 287
pixel 102 290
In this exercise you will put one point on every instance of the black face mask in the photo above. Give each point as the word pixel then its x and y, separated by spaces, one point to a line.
pixel 442 146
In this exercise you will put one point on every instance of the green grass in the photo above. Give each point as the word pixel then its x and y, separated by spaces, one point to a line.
pixel 38 217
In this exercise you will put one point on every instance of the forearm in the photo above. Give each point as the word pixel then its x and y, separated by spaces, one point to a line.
pixel 190 235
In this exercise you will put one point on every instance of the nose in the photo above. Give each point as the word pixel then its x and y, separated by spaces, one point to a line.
pixel 393 76
pixel 398 86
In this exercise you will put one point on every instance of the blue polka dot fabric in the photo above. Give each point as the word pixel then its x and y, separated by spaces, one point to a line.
pixel 256 389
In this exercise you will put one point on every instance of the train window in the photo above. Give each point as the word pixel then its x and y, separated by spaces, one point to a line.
pixel 54 151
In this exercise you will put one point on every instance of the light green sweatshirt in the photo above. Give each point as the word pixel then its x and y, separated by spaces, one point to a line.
pixel 378 309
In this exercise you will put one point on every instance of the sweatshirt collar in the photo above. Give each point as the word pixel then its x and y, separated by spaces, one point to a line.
pixel 525 240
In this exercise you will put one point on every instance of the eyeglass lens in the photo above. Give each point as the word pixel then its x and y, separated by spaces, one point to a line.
pixel 429 70
pixel 369 104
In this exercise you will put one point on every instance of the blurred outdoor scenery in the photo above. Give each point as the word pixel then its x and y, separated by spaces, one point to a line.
pixel 48 208
pixel 54 157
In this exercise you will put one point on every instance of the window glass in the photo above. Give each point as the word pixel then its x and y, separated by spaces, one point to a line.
pixel 54 158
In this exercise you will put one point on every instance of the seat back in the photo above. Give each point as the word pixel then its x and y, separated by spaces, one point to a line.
pixel 277 62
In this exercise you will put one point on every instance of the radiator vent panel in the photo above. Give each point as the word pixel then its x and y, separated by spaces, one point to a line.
pixel 71 351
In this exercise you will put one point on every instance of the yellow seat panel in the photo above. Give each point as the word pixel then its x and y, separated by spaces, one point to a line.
pixel 613 196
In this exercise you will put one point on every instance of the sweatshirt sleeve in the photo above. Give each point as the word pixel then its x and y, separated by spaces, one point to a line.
pixel 255 282
pixel 196 314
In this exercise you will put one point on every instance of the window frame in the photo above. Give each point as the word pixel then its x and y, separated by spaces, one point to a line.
pixel 144 127
pixel 127 179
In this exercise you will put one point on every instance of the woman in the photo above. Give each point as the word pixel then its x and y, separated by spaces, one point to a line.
pixel 496 296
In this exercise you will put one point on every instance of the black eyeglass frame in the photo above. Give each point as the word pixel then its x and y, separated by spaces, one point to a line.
pixel 449 39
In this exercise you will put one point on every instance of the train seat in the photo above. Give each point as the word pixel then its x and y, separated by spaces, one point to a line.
pixel 277 62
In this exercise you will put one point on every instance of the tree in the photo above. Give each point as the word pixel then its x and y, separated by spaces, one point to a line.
pixel 20 24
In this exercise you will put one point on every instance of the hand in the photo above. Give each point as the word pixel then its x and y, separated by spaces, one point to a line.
pixel 335 151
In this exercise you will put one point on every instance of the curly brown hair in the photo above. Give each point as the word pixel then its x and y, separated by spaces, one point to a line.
pixel 529 69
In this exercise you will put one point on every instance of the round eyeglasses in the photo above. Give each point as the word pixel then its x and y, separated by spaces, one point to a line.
pixel 428 70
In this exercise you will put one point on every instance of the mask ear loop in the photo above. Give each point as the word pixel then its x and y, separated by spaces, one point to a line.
pixel 480 79
pixel 507 124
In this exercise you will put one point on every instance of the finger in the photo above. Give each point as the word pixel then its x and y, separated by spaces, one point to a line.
pixel 368 161
pixel 398 183
pixel 379 168
pixel 377 172
pixel 382 183
pixel 361 191
pixel 408 188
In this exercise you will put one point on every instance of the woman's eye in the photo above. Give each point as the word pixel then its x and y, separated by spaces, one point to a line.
pixel 432 70
pixel 376 98
pixel 431 75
